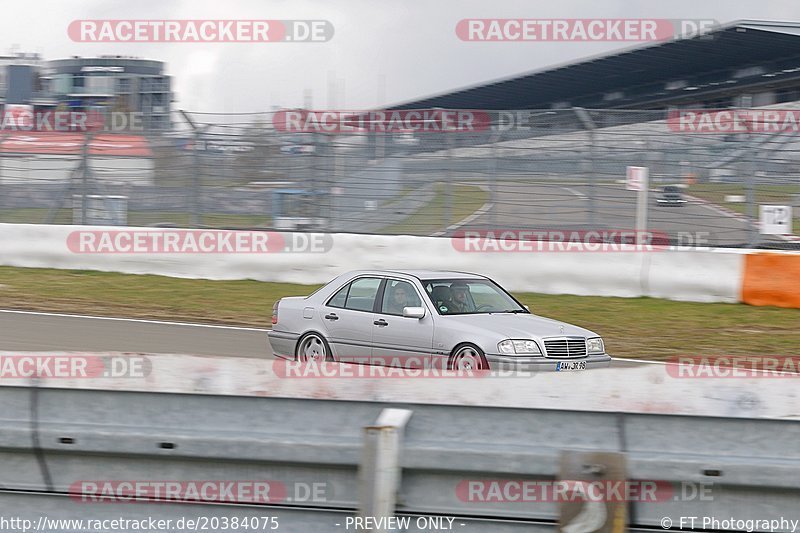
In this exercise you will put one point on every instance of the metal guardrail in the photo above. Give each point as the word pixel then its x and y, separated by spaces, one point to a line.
pixel 52 439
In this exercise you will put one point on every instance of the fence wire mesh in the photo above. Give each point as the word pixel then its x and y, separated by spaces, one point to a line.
pixel 519 170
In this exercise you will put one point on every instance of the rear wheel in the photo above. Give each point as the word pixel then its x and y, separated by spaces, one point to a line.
pixel 312 347
pixel 468 357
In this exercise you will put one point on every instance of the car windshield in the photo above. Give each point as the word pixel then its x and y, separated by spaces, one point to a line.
pixel 469 297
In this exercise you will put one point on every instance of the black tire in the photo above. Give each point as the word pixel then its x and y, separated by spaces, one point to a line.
pixel 312 343
pixel 467 357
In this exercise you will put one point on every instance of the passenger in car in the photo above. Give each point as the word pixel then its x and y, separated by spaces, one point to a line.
pixel 443 298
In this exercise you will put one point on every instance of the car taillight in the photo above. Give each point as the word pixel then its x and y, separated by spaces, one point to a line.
pixel 275 312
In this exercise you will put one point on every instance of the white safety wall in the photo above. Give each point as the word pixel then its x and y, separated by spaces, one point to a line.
pixel 691 275
pixel 646 388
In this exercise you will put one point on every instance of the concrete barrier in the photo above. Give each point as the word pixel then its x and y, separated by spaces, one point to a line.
pixel 700 389
pixel 76 448
pixel 710 275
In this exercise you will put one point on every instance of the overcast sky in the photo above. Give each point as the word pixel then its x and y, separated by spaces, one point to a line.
pixel 411 43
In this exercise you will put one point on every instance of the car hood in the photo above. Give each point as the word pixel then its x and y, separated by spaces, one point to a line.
pixel 520 326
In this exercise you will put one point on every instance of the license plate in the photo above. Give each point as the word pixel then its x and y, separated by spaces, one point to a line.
pixel 569 366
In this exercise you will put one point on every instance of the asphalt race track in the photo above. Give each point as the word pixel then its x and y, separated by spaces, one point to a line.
pixel 566 206
pixel 43 332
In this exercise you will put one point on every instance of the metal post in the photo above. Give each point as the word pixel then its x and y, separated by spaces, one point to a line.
pixel 317 162
pixel 493 185
pixel 590 126
pixel 85 177
pixel 195 217
pixel 379 472
pixel 752 228
pixel 748 166
pixel 447 211
pixel 638 179
pixel 334 189
pixel 592 179
pixel 380 146
pixel 641 208
pixel 328 178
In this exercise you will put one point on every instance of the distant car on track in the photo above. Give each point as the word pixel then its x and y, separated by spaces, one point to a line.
pixel 450 320
pixel 670 195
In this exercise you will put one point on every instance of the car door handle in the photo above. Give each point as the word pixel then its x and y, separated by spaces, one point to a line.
pixel 331 316
pixel 381 322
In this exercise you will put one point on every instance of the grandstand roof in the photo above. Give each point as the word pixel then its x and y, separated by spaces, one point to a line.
pixel 741 54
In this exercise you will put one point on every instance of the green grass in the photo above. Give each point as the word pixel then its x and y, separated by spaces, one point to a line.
pixel 464 200
pixel 402 193
pixel 632 327
pixel 140 218
pixel 763 194
pixel 159 297
pixel 652 328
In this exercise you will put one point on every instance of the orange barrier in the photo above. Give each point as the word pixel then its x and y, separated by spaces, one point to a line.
pixel 772 279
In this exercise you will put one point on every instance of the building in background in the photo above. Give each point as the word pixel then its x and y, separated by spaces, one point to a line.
pixel 102 84
pixel 22 85
pixel 112 83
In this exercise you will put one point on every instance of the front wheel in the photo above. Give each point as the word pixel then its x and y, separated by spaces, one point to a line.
pixel 312 347
pixel 468 357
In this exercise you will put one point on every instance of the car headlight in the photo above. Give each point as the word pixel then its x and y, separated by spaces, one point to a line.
pixel 595 345
pixel 517 347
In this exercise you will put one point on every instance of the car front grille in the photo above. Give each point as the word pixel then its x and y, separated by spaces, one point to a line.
pixel 565 347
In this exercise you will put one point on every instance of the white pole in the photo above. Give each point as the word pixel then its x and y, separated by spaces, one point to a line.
pixel 379 471
pixel 641 207
pixel 638 179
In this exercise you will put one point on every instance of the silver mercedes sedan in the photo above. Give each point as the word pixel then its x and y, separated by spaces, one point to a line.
pixel 412 318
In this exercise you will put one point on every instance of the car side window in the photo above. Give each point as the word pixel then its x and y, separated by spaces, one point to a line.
pixel 362 294
pixel 397 295
pixel 340 298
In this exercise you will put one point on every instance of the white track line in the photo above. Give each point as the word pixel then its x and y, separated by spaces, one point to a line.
pixel 466 220
pixel 140 320
pixel 720 210
pixel 623 359
pixel 576 193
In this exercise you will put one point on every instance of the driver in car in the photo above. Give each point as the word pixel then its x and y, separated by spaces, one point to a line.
pixel 399 300
pixel 461 301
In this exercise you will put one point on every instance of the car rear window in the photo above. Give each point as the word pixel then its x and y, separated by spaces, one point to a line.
pixel 358 295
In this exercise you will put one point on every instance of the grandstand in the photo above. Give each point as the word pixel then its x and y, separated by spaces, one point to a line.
pixel 743 64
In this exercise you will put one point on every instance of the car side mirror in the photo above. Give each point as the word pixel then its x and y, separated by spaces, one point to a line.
pixel 413 312
pixel 526 307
